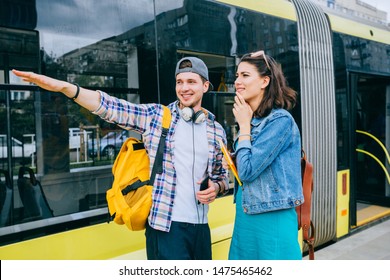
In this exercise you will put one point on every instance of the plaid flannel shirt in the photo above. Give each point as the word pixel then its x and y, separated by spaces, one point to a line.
pixel 147 120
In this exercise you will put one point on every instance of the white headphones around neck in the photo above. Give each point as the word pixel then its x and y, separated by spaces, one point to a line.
pixel 188 114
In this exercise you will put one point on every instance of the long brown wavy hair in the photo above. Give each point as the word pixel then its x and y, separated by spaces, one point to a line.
pixel 277 94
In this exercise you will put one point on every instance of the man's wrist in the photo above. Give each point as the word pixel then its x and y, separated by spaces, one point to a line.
pixel 77 91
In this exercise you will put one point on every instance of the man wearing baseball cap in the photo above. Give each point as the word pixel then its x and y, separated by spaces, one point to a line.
pixel 177 227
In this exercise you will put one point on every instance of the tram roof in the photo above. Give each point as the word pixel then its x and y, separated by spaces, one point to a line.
pixel 340 24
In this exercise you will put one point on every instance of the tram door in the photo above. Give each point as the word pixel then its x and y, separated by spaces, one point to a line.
pixel 372 123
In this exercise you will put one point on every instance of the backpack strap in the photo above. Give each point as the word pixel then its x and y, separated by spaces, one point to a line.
pixel 157 165
pixel 166 122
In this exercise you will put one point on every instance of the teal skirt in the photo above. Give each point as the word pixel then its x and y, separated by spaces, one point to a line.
pixel 266 236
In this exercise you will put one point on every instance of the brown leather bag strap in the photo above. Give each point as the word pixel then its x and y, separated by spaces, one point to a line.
pixel 307 182
pixel 310 241
pixel 305 209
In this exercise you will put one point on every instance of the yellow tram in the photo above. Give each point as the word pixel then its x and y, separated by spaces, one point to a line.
pixel 338 65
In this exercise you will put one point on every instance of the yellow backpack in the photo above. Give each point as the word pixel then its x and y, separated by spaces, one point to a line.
pixel 130 197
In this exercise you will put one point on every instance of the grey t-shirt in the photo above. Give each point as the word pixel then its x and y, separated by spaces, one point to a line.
pixel 190 160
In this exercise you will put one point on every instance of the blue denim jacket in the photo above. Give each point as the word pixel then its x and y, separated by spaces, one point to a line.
pixel 269 165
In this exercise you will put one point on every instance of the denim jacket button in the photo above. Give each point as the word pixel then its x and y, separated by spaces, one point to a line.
pixel 245 210
pixel 297 202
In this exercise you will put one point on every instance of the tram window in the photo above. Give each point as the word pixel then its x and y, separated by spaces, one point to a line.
pixel 342 123
pixel 277 27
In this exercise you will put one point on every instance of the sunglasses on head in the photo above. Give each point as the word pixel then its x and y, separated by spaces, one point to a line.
pixel 260 54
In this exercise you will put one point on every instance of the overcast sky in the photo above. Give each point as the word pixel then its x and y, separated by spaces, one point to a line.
pixel 380 5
